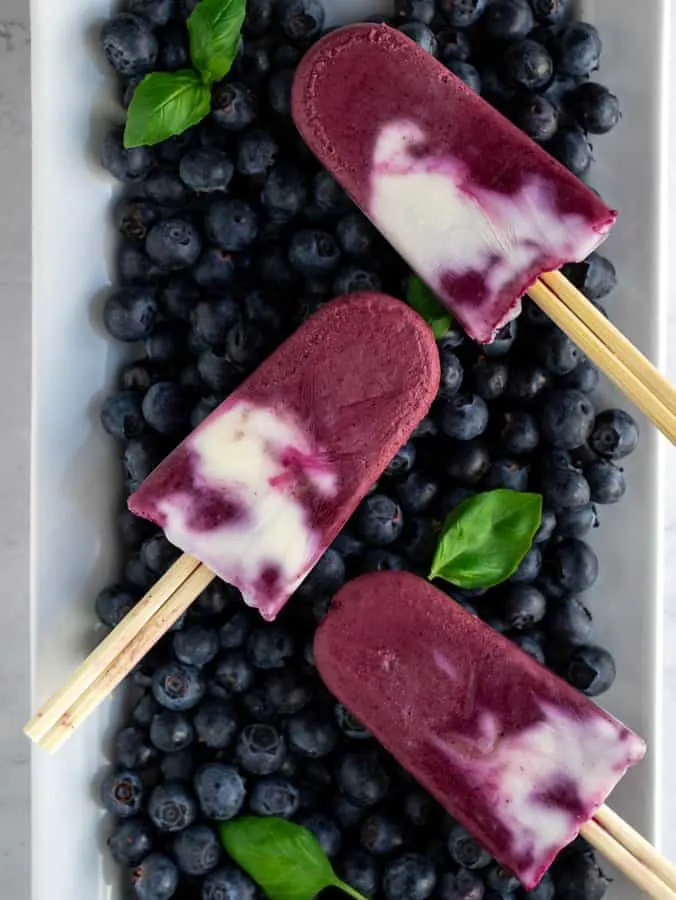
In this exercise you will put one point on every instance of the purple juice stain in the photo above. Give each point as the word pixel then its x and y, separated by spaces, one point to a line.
pixel 562 793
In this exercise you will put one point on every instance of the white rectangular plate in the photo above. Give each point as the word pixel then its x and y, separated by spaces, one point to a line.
pixel 75 478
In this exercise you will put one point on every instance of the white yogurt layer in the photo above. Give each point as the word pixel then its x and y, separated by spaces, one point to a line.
pixel 244 452
pixel 429 210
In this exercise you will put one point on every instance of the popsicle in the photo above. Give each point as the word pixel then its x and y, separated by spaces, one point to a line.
pixel 514 753
pixel 476 208
pixel 260 489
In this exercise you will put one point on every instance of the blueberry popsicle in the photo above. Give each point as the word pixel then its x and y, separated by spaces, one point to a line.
pixel 476 208
pixel 518 756
pixel 260 489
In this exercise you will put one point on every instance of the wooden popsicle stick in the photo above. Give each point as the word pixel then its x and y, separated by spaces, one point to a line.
pixel 613 338
pixel 128 657
pixel 637 845
pixel 622 859
pixel 634 388
pixel 110 648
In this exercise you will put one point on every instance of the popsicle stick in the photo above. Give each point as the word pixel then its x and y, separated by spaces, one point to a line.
pixel 578 331
pixel 622 859
pixel 637 845
pixel 110 648
pixel 128 657
pixel 612 337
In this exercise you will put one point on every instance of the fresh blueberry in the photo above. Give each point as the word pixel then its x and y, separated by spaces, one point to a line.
pixel 451 372
pixel 259 20
pixel 164 186
pixel 465 72
pixel 139 376
pixel 422 35
pixel 195 645
pixel 418 540
pixel 536 116
pixel 615 434
pixel 135 267
pixel 579 875
pixel 173 244
pixel 501 881
pixel 255 62
pixel 551 12
pixel 462 886
pixel 220 791
pixel 530 644
pixel 353 278
pixel 381 561
pixel 350 726
pixel 527 381
pixel 547 526
pixel 113 603
pixel 557 353
pixel 170 731
pixel 468 461
pixel 402 462
pixel 174 52
pixel 327 576
pixel 311 733
pixel 565 489
pixel 234 632
pixel 313 253
pixel 416 491
pixel 595 277
pixel 216 723
pixel 416 10
pixel 325 831
pixel 361 777
pixel 569 621
pixel 212 319
pixel 503 341
pixel 234 672
pixel 156 878
pixel 571 567
pixel 301 20
pixel 576 522
pixel 218 598
pixel 129 44
pixel 465 850
pixel 157 12
pixel 567 419
pixel 348 545
pixel 409 877
pixel 270 646
pixel 344 812
pixel 129 313
pixel 158 554
pixel 172 806
pixel 572 149
pixel 261 749
pixel 528 65
pixel 590 669
pixel 130 841
pixel 122 793
pixel 518 431
pixel 206 169
pixel 135 570
pixel 228 882
pixel 135 217
pixel 132 750
pixel 595 109
pixel 510 474
pixel 529 567
pixel 256 705
pixel 217 373
pixel 166 407
pixel 234 106
pixel 360 870
pixel 453 44
pixel 285 192
pixel 165 344
pixel 578 49
pixel 279 91
pixel 461 13
pixel 606 481
pixel 356 235
pixel 544 890
pixel 379 520
pixel 231 224
pixel 196 850
pixel 463 417
pixel 177 686
pixel 508 20
pixel 256 152
pixel 524 606
pixel 381 833
pixel 287 691
pixel 585 377
pixel 144 710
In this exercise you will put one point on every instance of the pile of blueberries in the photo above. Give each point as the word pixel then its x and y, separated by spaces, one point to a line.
pixel 230 236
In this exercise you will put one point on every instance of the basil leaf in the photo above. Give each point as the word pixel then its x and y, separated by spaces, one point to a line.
pixel 424 302
pixel 284 859
pixel 485 538
pixel 214 27
pixel 164 104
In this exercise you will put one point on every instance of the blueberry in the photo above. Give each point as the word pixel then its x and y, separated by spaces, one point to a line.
pixel 301 20
pixel 350 726
pixel 381 561
pixel 381 834
pixel 529 567
pixel 134 266
pixel 157 12
pixel 453 44
pixel 551 12
pixel 178 766
pixel 164 186
pixel 527 381
pixel 569 621
pixel 261 749
pixel 463 417
pixel 578 49
pixel 196 850
pixel 422 35
pixel 165 344
pixel 468 461
pixel 173 49
pixel 313 253
pixel 536 116
pixel 256 152
pixel 279 91
pixel 122 793
pixel 462 886
pixel 172 806
pixel 206 169
pixel 234 107
pixel 576 522
pixel 606 481
pixel 270 646
pixel 231 224
pixel 409 877
pixel 228 883
pixel 177 686
pixel 461 13
pixel 524 606
pixel 234 633
pixel 361 871
pixel 234 672
pixel 508 20
pixel 595 277
pixel 166 407
pixel 518 431
pixel 585 377
pixel 565 489
pixel 361 777
pixel 344 812
pixel 259 20
pixel 285 192
pixel 402 462
pixel 311 733
pixel 415 492
pixel 356 235
pixel 216 723
pixel 212 319
pixel 567 419
pixel 571 567
pixel 129 313
pixel 325 831
pixel 158 554
pixel 590 669
pixel 503 340
pixel 144 710
pixel 287 691
pixel 579 875
pixel 113 603
pixel 135 217
pixel 418 540
pixel 354 278
pixel 530 644
pixel 465 850
pixel 544 890
pixel 130 841
pixel 557 353
pixel 135 570
pixel 416 10
pixel 510 474
pixel 528 64
pixel 132 750
pixel 547 526
pixel 572 149
pixel 220 791
pixel 170 731
pixel 501 881
pixel 327 576
pixel 451 373
pixel 217 373
pixel 139 376
pixel 379 520
pixel 465 72
pixel 156 878
pixel 615 434
pixel 129 44
pixel 595 109
pixel 195 646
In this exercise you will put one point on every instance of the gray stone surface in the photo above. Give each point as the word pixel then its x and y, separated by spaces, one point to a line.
pixel 14 451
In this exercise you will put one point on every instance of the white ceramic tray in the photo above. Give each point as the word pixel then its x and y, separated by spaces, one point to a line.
pixel 75 481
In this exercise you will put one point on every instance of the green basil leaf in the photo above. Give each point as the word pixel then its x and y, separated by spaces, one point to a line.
pixel 284 859
pixel 164 104
pixel 485 538
pixel 214 27
pixel 424 302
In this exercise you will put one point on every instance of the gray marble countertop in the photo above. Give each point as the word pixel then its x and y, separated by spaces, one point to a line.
pixel 14 465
